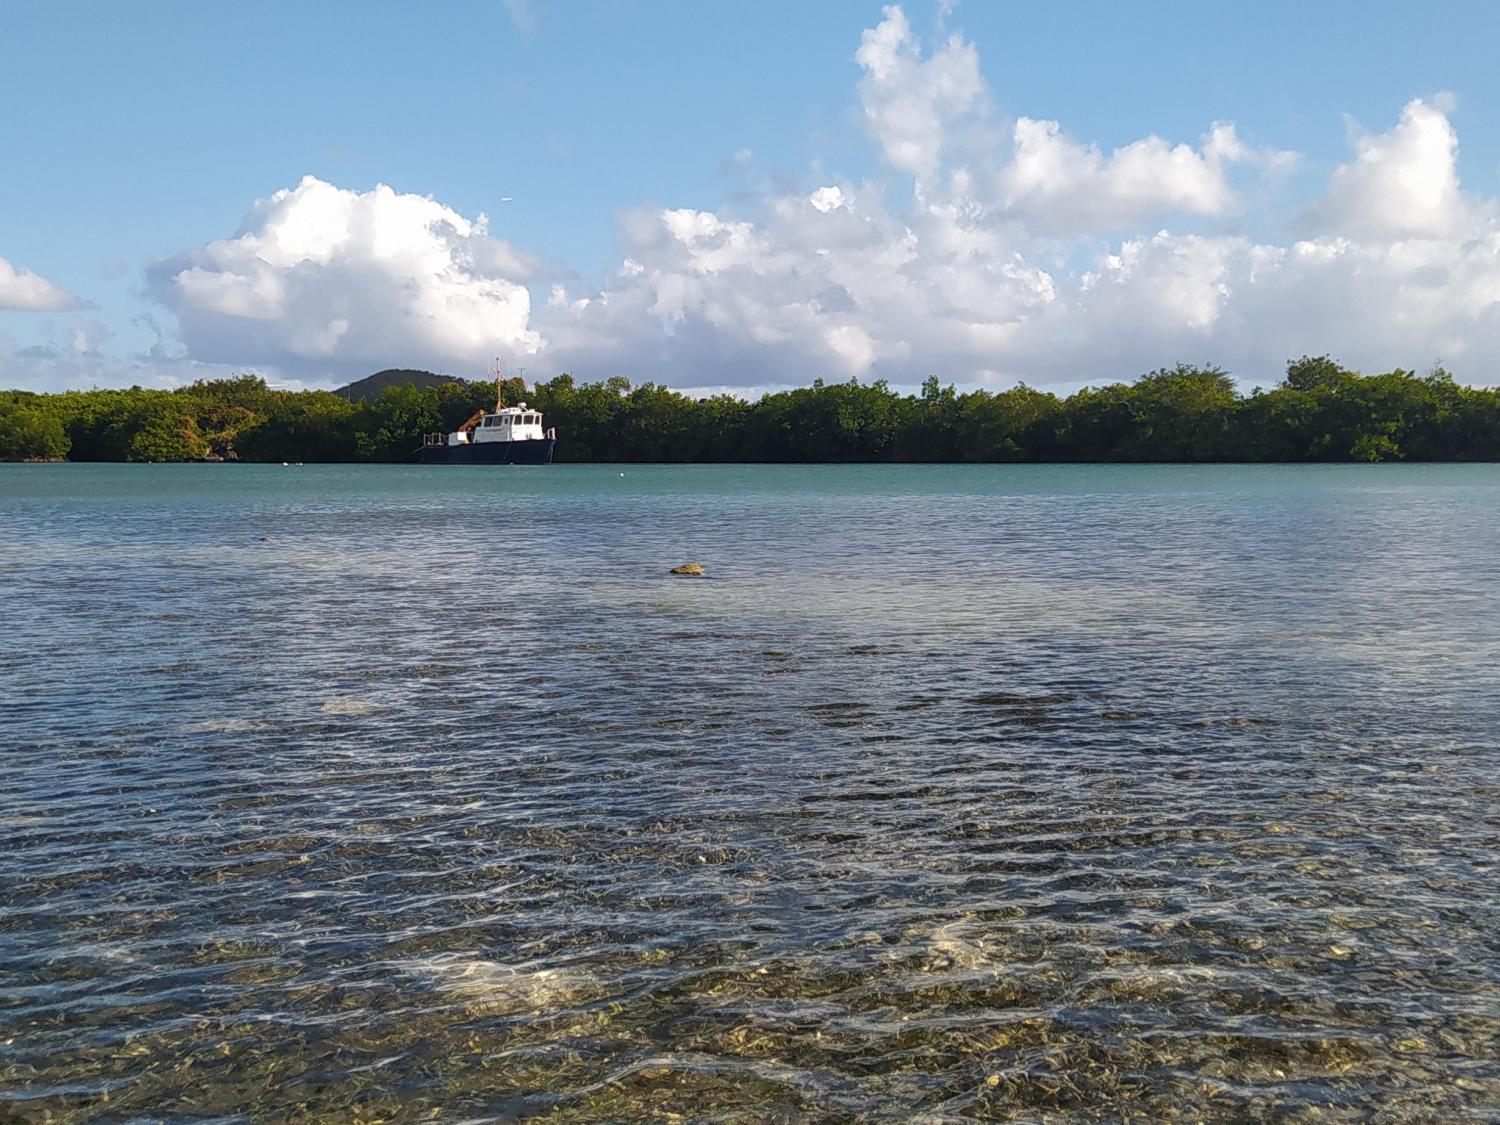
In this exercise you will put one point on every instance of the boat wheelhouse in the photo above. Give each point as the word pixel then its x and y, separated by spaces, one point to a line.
pixel 507 435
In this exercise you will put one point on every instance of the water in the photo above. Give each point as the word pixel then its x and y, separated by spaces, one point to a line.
pixel 377 793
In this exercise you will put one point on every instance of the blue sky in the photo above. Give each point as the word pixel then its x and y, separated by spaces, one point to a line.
pixel 649 177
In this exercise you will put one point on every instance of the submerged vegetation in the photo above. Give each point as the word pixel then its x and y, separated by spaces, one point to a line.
pixel 1319 412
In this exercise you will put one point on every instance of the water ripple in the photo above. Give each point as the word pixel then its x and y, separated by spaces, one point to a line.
pixel 1035 793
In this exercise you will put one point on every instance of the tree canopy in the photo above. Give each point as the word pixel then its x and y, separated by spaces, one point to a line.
pixel 1320 411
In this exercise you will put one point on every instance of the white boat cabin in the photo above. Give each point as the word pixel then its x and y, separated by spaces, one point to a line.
pixel 511 423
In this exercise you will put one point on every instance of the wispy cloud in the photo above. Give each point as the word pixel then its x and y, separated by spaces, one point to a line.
pixel 521 14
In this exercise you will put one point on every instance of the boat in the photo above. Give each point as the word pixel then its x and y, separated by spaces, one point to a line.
pixel 507 435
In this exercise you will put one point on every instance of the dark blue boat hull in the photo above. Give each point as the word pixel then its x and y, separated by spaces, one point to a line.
pixel 534 452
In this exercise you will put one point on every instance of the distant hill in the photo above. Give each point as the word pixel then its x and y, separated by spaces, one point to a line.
pixel 372 385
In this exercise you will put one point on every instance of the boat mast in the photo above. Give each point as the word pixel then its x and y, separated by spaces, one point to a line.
pixel 497 384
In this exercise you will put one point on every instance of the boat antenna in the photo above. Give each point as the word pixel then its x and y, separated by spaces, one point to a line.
pixel 497 384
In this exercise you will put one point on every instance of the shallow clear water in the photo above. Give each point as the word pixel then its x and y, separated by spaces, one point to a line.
pixel 377 793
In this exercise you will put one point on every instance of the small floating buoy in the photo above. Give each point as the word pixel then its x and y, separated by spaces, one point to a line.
pixel 691 570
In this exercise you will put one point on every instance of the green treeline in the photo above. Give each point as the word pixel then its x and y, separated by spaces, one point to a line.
pixel 1319 412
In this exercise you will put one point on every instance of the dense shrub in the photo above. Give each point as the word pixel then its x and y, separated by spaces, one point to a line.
pixel 1318 412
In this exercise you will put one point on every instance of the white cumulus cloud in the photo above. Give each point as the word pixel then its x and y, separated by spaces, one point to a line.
pixel 22 290
pixel 1403 183
pixel 1060 185
pixel 910 101
pixel 324 277
pixel 829 284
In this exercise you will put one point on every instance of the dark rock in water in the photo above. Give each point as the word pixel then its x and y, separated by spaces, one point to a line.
pixel 693 570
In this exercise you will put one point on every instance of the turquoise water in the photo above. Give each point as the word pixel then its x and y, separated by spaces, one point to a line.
pixel 379 793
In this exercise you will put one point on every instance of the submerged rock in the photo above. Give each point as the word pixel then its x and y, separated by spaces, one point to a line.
pixel 694 570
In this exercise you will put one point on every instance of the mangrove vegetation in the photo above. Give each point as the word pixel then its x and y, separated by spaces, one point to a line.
pixel 1319 411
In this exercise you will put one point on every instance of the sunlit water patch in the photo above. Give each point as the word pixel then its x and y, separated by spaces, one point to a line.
pixel 1028 792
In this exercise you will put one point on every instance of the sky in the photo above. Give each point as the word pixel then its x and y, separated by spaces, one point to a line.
pixel 743 197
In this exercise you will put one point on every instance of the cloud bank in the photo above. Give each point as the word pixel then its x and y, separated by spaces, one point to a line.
pixel 991 251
